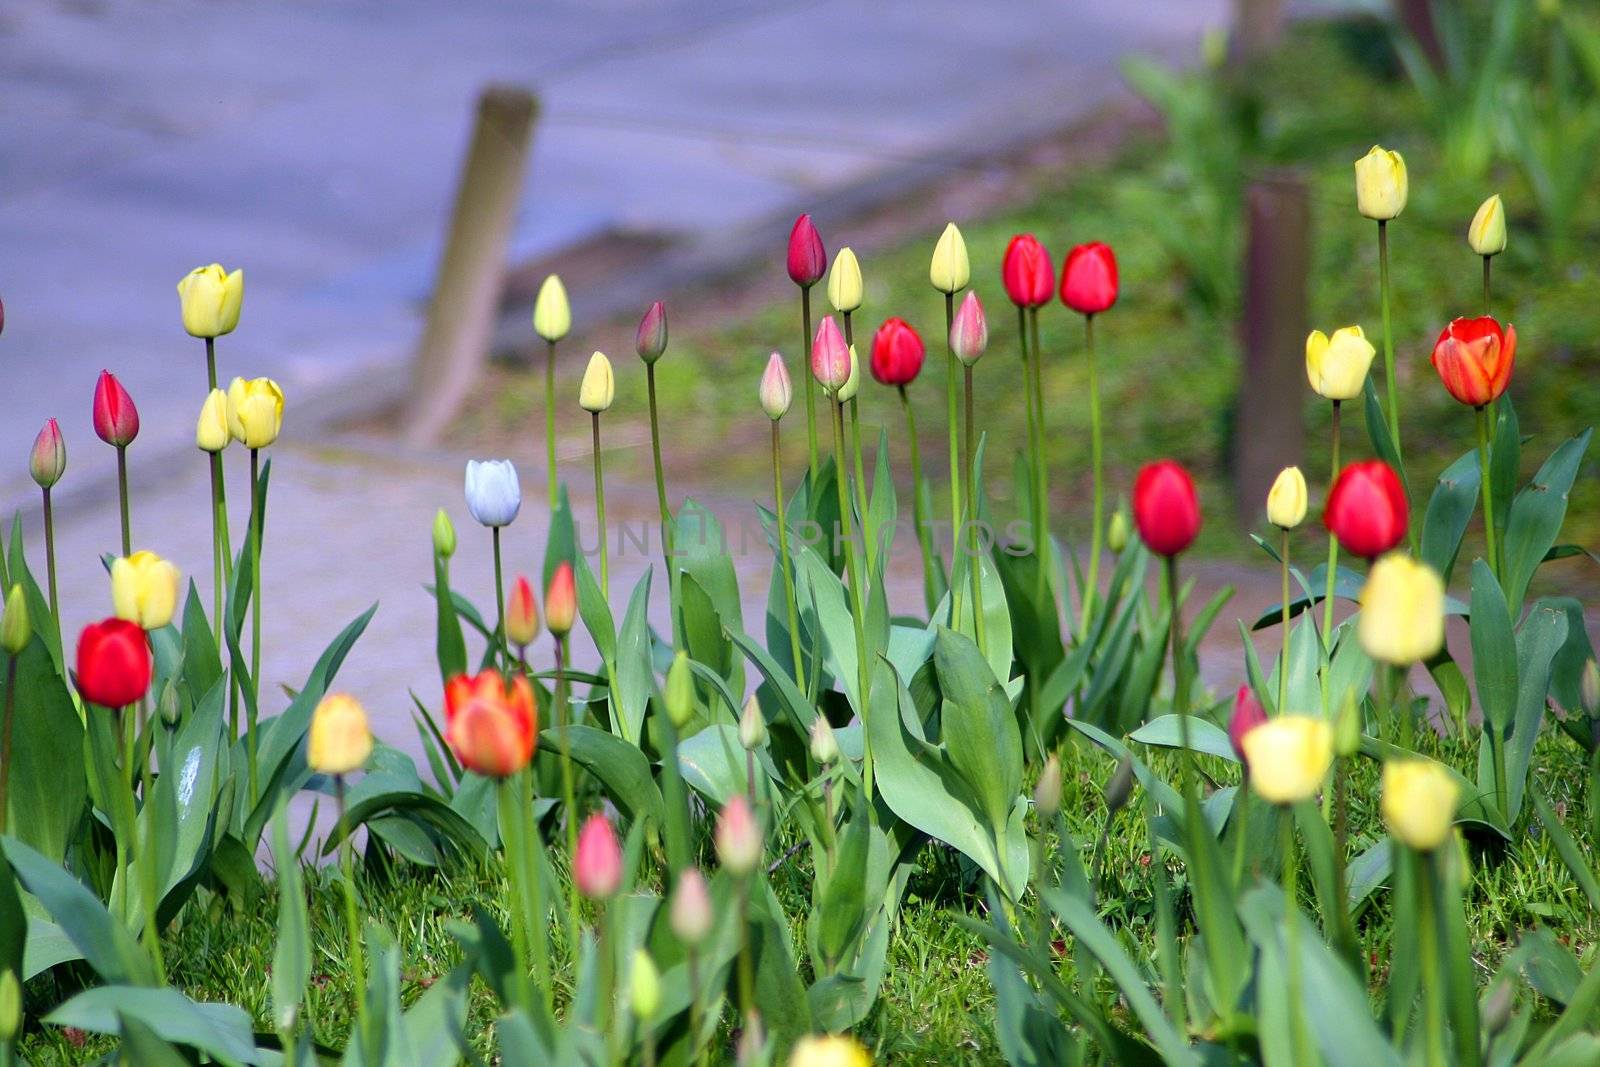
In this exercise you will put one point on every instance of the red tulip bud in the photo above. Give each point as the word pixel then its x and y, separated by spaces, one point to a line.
pixel 1367 509
pixel 691 915
pixel 738 836
pixel 1089 279
pixel 830 356
pixel 561 601
pixel 897 353
pixel 1027 271
pixel 1474 358
pixel 1247 715
pixel 48 460
pixel 116 420
pixel 522 614
pixel 597 868
pixel 807 258
pixel 113 663
pixel 969 330
pixel 1165 507
pixel 651 339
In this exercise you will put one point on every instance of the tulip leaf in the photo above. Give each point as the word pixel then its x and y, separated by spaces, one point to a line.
pixel 596 611
pixel 1543 633
pixel 101 940
pixel 789 695
pixel 700 553
pixel 1379 432
pixel 1450 509
pixel 980 731
pixel 1205 736
pixel 222 1031
pixel 634 677
pixel 1576 859
pixel 713 762
pixel 1505 456
pixel 48 787
pixel 291 961
pixel 1494 651
pixel 450 647
pixel 1536 515
pixel 621 767
pixel 561 540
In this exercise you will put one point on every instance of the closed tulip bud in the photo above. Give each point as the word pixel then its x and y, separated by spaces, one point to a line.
pixel 852 384
pixel 1028 272
pixel 1117 531
pixel 680 690
pixel 1497 1007
pixel 807 258
pixel 211 433
pixel 552 315
pixel 116 420
pixel 144 589
pixel 1402 611
pixel 255 411
pixel 1347 727
pixel 752 725
pixel 1288 757
pixel 1247 715
pixel 776 392
pixel 1047 791
pixel 650 340
pixel 561 601
pixel 969 330
pixel 824 745
pixel 494 495
pixel 1286 502
pixel 211 298
pixel 48 460
pixel 1119 790
pixel 444 534
pixel 1589 689
pixel 689 914
pixel 340 739
pixel 897 353
pixel 16 629
pixel 1487 234
pixel 597 867
pixel 113 663
pixel 738 836
pixel 1381 184
pixel 1366 509
pixel 844 282
pixel 829 1050
pixel 599 386
pixel 830 356
pixel 522 614
pixel 644 986
pixel 1419 802
pixel 491 722
pixel 1337 366
pixel 950 269
pixel 752 1048
pixel 1165 507
pixel 1474 358
pixel 10 991
pixel 1089 279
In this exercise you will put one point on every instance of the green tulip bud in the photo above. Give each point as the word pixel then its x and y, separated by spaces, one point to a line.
pixel 10 1007
pixel 1117 531
pixel 644 986
pixel 444 535
pixel 680 691
pixel 1047 793
pixel 752 725
pixel 15 627
pixel 824 745
pixel 1347 728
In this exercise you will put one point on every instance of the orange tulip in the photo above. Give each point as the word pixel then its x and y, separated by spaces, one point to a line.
pixel 1474 358
pixel 491 723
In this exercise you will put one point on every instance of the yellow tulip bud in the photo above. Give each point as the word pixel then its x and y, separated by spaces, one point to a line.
pixel 1487 234
pixel 16 628
pixel 211 298
pixel 1381 184
pixel 1286 502
pixel 211 432
pixel 644 986
pixel 144 589
pixel 680 690
pixel 340 740
pixel 1419 802
pixel 255 411
pixel 1337 366
pixel 1288 757
pixel 599 386
pixel 852 384
pixel 832 1050
pixel 1402 611
pixel 950 270
pixel 552 315
pixel 1117 531
pixel 844 282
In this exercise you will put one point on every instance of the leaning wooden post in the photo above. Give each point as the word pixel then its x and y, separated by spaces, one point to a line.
pixel 466 294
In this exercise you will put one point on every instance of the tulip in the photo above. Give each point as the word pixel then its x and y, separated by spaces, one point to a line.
pixel 255 411
pixel 1474 358
pixel 1487 233
pixel 210 298
pixel 1366 509
pixel 824 744
pixel 752 725
pixel 807 258
pixel 597 866
pixel 690 913
pixel 561 601
pixel 1247 715
pixel 830 356
pixel 1028 273
pixel 644 986
pixel 1288 757
pixel 114 663
pixel 852 384
pixel 16 629
pixel 340 739
pixel 552 314
pixel 1286 502
pixel 1088 286
pixel 1337 366
pixel 1419 802
pixel 844 282
pixel 444 534
pixel 776 393
pixel 144 589
pixel 738 837
pixel 522 614
pixel 1089 278
pixel 116 419
pixel 1381 184
pixel 490 722
pixel 1589 689
pixel 650 339
pixel 832 1050
pixel 950 270
pixel 48 460
pixel 211 429
pixel 969 331
pixel 897 353
pixel 1117 531
pixel 1047 791
pixel 595 395
pixel 1402 611
pixel 494 496
pixel 599 386
pixel 1165 507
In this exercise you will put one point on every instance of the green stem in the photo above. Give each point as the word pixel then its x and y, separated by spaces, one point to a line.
pixel 499 642
pixel 747 978
pixel 532 845
pixel 661 481
pixel 1041 468
pixel 919 513
pixel 869 533
pixel 1091 588
pixel 698 1053
pixel 1490 536
pixel 857 593
pixel 5 741
pixel 513 842
pixel 1291 938
pixel 352 914
pixel 50 557
pixel 563 712
pixel 1392 391
pixel 1333 548
pixel 1486 301
pixel 811 388
pixel 122 498
pixel 1283 670
pixel 1241 840
pixel 975 546
pixel 1033 435
pixel 952 388
pixel 1432 980
pixel 791 606
pixel 217 551
pixel 1180 671
pixel 550 425
pixel 600 510
pixel 147 858
pixel 257 530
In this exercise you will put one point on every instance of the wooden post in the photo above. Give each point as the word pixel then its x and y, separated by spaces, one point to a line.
pixel 466 295
pixel 1269 427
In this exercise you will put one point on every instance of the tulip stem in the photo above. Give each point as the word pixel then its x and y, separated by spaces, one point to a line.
pixel 811 389
pixel 600 509
pixel 1283 671
pixel 550 424
pixel 498 644
pixel 930 590
pixel 661 481
pixel 1291 935
pixel 1241 833
pixel 257 528
pixel 1041 466
pixel 857 595
pixel 50 555
pixel 1432 982
pixel 514 843
pixel 952 386
pixel 1333 548
pixel 216 555
pixel 352 913
pixel 1180 679
pixel 1034 443
pixel 1391 388
pixel 5 739
pixel 147 855
pixel 975 547
pixel 563 711
pixel 1486 289
pixel 1490 536
pixel 869 535
pixel 789 603
pixel 1091 587
pixel 747 975
pixel 122 497
pixel 532 845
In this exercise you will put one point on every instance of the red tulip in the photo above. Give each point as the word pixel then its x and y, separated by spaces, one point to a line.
pixel 561 601
pixel 1165 507
pixel 1247 715
pixel 1474 359
pixel 597 868
pixel 897 353
pixel 113 663
pixel 808 261
pixel 1089 279
pixel 1027 271
pixel 1366 509
pixel 490 723
pixel 116 420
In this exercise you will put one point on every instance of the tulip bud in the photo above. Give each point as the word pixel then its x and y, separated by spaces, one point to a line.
pixel 10 991
pixel 552 315
pixel 969 330
pixel 1366 509
pixel 1589 689
pixel 830 356
pixel 444 534
pixel 144 589
pixel 340 739
pixel 599 387
pixel 48 460
pixel 1419 802
pixel 950 270
pixel 650 341
pixel 1119 790
pixel 1381 184
pixel 829 1050
pixel 807 258
pixel 114 664
pixel 1047 791
pixel 2 316
pixel 897 353
pixel 16 629
pixel 597 868
pixel 844 282
pixel 752 1048
pixel 1497 1007
pixel 1337 366
pixel 255 411
pixel 1487 234
pixel 1165 507
pixel 522 614
pixel 1474 358
pixel 1347 727
pixel 1117 531
pixel 1288 757
pixel 210 298
pixel 1027 272
pixel 561 601
pixel 752 725
pixel 1401 621
pixel 680 690
pixel 644 986
pixel 776 393
pixel 1089 278
pixel 738 836
pixel 824 745
pixel 116 420
pixel 1286 502
pixel 852 384
pixel 494 494
pixel 211 432
pixel 1247 715
pixel 690 914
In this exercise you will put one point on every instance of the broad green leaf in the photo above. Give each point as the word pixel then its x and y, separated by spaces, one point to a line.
pixel 1536 515
pixel 48 788
pixel 630 693
pixel 291 958
pixel 980 732
pixel 219 1030
pixel 1450 509
pixel 1494 650
pixel 619 766
pixel 1205 736
pixel 1541 637
pixel 103 941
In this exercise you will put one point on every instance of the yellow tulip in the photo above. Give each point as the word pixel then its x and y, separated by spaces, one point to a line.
pixel 1487 234
pixel 144 589
pixel 1419 802
pixel 1402 611
pixel 950 270
pixel 552 315
pixel 1288 757
pixel 599 387
pixel 211 432
pixel 1286 502
pixel 844 282
pixel 340 739
pixel 1337 366
pixel 211 298
pixel 830 1050
pixel 852 384
pixel 255 411
pixel 1381 184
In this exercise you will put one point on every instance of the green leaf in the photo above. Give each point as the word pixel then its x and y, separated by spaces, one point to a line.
pixel 1494 650
pixel 980 732
pixel 619 766
pixel 48 787
pixel 218 1030
pixel 1450 509
pixel 103 941
pixel 1536 516
pixel 1541 637
pixel 630 694
pixel 450 647
pixel 1378 432
pixel 291 958
pixel 1205 736
pixel 713 762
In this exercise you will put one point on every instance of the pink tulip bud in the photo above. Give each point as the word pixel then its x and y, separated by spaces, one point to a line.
pixel 1247 715
pixel 597 868
pixel 651 340
pixel 48 460
pixel 691 911
pixel 830 356
pixel 969 330
pixel 807 258
pixel 776 392
pixel 738 836
pixel 116 420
